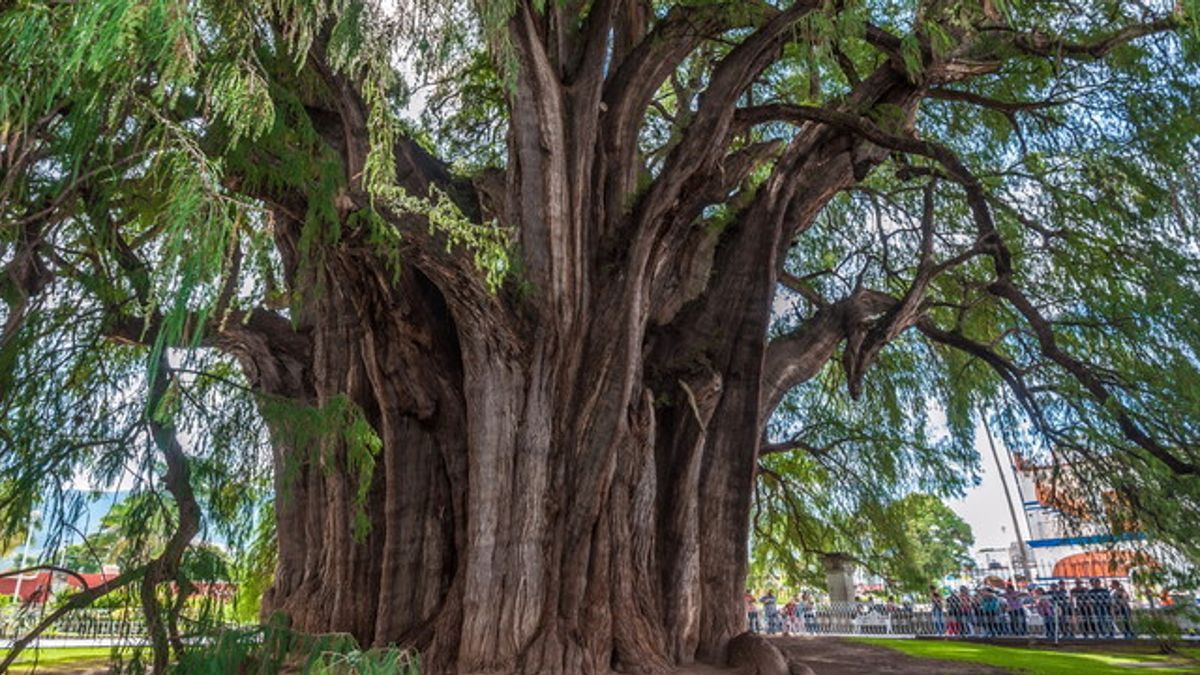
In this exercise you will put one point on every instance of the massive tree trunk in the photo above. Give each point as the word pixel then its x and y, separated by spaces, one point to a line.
pixel 541 504
pixel 554 494
pixel 565 476
pixel 557 476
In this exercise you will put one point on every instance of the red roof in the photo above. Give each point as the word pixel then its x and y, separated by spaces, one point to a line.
pixel 32 587
pixel 90 579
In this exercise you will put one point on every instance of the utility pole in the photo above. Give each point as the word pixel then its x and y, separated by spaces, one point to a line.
pixel 33 516
pixel 1012 511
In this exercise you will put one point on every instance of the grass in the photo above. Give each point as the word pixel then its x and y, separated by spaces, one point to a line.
pixel 62 659
pixel 1062 661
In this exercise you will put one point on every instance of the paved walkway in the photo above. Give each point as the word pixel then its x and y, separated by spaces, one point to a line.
pixel 56 643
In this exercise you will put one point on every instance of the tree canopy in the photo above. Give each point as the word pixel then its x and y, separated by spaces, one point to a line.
pixel 257 249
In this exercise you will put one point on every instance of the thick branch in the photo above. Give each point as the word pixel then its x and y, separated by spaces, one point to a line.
pixel 638 76
pixel 1007 107
pixel 988 240
pixel 1042 44
pixel 1086 376
pixel 703 142
pixel 802 287
pixel 798 356
pixel 177 481
pixel 863 345
pixel 1004 368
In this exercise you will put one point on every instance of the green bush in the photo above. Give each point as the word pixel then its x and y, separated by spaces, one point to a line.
pixel 273 648
pixel 1165 625
pixel 369 662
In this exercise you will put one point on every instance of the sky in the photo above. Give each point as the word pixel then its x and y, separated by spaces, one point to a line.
pixel 983 507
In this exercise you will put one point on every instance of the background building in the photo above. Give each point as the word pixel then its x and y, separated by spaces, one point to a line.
pixel 1066 540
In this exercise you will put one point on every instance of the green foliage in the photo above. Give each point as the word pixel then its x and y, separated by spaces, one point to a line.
pixel 254 568
pixel 467 114
pixel 867 478
pixel 336 437
pixel 165 150
pixel 910 541
pixel 273 648
pixel 1093 190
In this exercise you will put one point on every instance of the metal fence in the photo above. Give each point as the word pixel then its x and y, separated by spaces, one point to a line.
pixel 1025 617
pixel 83 623
pixel 1044 617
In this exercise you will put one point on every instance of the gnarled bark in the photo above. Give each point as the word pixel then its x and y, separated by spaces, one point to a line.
pixel 565 476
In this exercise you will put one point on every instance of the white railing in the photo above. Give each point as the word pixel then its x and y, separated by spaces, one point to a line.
pixel 1065 619
pixel 83 623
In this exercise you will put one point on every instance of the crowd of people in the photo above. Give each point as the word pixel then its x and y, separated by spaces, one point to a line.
pixel 1058 611
pixel 1081 611
pixel 796 615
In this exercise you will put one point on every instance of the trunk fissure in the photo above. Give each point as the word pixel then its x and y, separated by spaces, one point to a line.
pixel 567 492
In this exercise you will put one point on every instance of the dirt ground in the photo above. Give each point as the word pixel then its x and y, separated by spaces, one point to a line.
pixel 833 656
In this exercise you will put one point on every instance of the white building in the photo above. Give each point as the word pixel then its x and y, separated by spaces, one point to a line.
pixel 1066 546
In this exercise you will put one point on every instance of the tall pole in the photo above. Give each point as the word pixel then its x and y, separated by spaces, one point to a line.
pixel 1012 511
pixel 25 552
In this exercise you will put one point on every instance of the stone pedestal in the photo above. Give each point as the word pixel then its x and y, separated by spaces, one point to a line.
pixel 839 577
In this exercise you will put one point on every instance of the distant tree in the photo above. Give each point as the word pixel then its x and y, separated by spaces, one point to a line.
pixel 79 557
pixel 511 402
pixel 939 543
pixel 910 541
pixel 11 542
pixel 132 531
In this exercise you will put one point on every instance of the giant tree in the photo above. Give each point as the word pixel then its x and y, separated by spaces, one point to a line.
pixel 514 367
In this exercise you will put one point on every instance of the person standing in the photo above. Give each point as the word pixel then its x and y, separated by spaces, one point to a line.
pixel 990 607
pixel 752 611
pixel 1061 601
pixel 892 611
pixel 939 616
pixel 954 606
pixel 790 624
pixel 1101 606
pixel 1122 609
pixel 809 610
pixel 1045 609
pixel 1017 625
pixel 770 612
pixel 970 612
pixel 1081 617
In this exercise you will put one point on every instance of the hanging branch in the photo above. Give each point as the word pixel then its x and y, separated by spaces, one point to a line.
pixel 164 638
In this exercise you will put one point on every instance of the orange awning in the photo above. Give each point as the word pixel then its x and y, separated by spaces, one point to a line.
pixel 1100 564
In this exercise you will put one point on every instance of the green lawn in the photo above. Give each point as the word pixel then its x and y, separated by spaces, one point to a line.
pixel 1046 661
pixel 56 660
